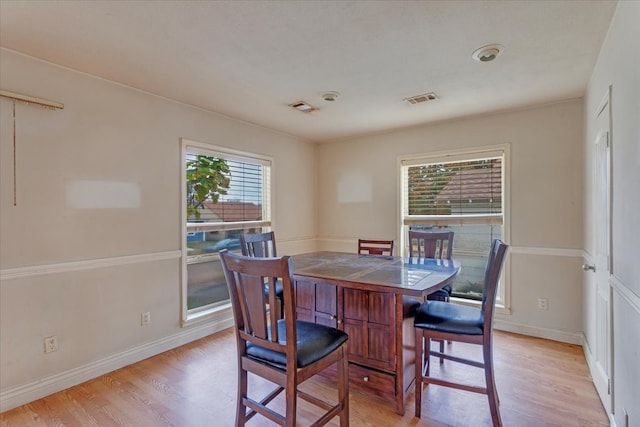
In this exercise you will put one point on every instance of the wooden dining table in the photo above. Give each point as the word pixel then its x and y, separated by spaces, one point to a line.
pixel 371 298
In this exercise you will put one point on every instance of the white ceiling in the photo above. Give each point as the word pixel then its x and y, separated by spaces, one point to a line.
pixel 250 59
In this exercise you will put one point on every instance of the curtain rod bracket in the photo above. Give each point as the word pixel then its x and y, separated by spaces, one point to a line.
pixel 32 100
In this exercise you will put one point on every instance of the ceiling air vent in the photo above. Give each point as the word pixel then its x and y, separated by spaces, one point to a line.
pixel 422 98
pixel 303 106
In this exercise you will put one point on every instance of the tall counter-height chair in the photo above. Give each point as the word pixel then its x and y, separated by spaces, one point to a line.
pixel 263 245
pixel 439 245
pixel 284 351
pixel 431 244
pixel 375 247
pixel 439 320
pixel 385 247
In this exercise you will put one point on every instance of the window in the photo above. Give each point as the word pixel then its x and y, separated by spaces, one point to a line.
pixel 461 192
pixel 226 193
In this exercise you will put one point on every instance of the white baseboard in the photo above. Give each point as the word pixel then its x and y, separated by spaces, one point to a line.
pixel 612 421
pixel 535 331
pixel 26 393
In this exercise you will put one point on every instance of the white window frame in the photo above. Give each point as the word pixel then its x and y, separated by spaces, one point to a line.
pixel 503 302
pixel 199 314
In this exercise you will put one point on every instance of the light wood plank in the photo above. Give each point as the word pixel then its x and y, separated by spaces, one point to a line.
pixel 540 383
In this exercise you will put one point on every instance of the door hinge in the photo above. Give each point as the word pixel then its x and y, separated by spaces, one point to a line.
pixel 609 386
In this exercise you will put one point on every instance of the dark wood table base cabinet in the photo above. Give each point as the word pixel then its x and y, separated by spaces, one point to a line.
pixel 317 302
pixel 359 294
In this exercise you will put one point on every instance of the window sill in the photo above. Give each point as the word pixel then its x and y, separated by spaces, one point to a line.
pixel 217 313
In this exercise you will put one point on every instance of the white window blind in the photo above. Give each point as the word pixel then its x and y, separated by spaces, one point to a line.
pixel 462 192
pixel 453 191
pixel 245 204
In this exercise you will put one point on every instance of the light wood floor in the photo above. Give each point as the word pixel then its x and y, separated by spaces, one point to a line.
pixel 540 383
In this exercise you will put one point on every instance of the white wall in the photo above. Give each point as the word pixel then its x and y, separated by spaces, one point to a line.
pixel 619 66
pixel 87 274
pixel 359 196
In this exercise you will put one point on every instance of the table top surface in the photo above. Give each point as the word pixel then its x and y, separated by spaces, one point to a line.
pixel 410 276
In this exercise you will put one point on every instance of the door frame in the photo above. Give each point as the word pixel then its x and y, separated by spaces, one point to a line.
pixel 603 375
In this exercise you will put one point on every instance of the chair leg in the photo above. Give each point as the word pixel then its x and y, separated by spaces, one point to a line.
pixel 241 409
pixel 427 357
pixel 492 391
pixel 343 388
pixel 450 342
pixel 291 397
pixel 419 345
pixel 442 341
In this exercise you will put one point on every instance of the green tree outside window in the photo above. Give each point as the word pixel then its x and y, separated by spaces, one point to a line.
pixel 207 179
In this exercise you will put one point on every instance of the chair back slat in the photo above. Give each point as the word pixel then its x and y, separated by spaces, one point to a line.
pixel 246 278
pixel 375 247
pixel 427 244
pixel 253 305
pixel 271 301
pixel 260 245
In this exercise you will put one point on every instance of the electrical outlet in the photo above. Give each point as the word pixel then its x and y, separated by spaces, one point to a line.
pixel 51 344
pixel 543 303
pixel 145 318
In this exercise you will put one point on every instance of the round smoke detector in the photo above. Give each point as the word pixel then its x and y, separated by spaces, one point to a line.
pixel 330 96
pixel 487 53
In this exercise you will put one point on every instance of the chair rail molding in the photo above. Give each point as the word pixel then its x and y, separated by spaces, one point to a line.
pixel 625 292
pixel 65 267
pixel 531 250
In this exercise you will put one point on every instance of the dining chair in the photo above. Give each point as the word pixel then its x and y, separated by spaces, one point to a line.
pixel 263 245
pixel 284 351
pixel 438 245
pixel 385 247
pixel 439 320
pixel 429 244
pixel 375 247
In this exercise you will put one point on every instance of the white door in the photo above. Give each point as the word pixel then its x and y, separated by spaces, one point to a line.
pixel 602 259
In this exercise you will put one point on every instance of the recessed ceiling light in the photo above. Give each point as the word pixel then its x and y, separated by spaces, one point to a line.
pixel 487 53
pixel 303 106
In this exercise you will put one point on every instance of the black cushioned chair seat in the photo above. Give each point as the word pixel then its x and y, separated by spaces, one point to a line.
pixel 439 295
pixel 314 342
pixel 452 318
pixel 409 306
